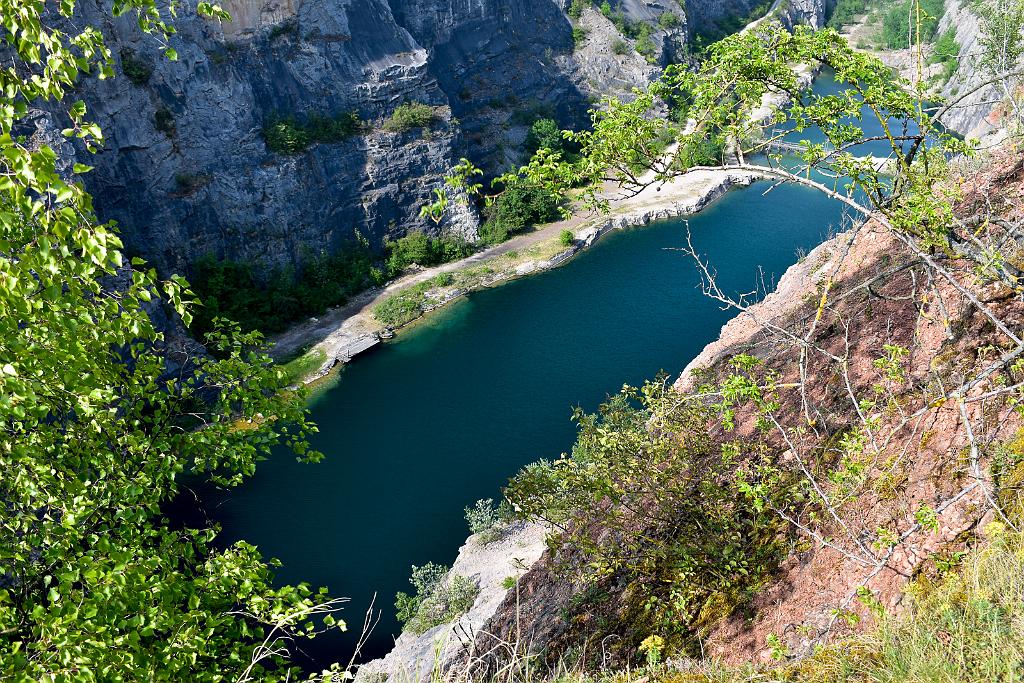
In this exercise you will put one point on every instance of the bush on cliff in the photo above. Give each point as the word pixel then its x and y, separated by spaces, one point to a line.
pixel 440 597
pixel 645 472
pixel 289 135
pixel 408 116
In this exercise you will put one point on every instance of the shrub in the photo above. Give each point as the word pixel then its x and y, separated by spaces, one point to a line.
pixel 693 513
pixel 188 183
pixel 488 521
pixel 566 238
pixel 606 9
pixel 579 35
pixel 620 47
pixel 408 116
pixel 947 53
pixel 545 134
pixel 509 582
pixel 519 207
pixel 398 310
pixel 163 121
pixel 646 47
pixel 576 8
pixel 896 30
pixel 137 70
pixel 440 598
pixel 285 136
pixel 668 20
pixel 846 12
pixel 289 27
pixel 288 135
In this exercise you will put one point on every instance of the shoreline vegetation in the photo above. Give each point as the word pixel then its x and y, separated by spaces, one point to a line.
pixel 315 348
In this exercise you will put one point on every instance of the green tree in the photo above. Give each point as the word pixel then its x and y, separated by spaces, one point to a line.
pixel 545 134
pixel 98 428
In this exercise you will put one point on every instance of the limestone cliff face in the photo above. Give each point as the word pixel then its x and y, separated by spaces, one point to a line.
pixel 186 172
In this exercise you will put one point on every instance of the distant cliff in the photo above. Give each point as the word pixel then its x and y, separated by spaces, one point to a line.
pixel 186 171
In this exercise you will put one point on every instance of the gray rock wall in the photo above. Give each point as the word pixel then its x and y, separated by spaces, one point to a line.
pixel 186 172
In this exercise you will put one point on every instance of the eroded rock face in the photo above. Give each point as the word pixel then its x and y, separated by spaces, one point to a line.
pixel 186 171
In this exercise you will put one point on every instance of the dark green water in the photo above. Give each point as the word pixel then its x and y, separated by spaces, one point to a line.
pixel 443 415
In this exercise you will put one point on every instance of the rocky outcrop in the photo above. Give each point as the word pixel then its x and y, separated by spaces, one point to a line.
pixel 974 115
pixel 186 171
pixel 489 566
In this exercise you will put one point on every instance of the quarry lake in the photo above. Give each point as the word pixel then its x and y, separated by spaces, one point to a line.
pixel 446 413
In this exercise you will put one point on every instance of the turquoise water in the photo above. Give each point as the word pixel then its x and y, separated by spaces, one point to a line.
pixel 444 414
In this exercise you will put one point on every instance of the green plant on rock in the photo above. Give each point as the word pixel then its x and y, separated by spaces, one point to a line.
pixel 488 521
pixel 408 116
pixel 163 121
pixel 440 597
pixel 579 35
pixel 136 69
pixel 668 20
pixel 566 238
pixel 289 135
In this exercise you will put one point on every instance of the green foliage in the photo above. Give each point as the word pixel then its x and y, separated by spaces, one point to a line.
pixel 670 505
pixel 440 597
pixel 407 305
pixel 646 47
pixel 901 22
pixel 488 521
pixel 409 116
pixel 288 135
pixel 521 206
pixel 235 291
pixel 668 20
pixel 297 369
pixel 946 51
pixel 579 35
pixel 727 25
pixel 606 8
pixel 576 8
pixel 620 47
pixel 417 248
pixel 189 183
pixel 509 582
pixel 94 584
pixel 545 134
pixel 136 69
pixel 846 12
pixel 566 238
pixel 288 27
